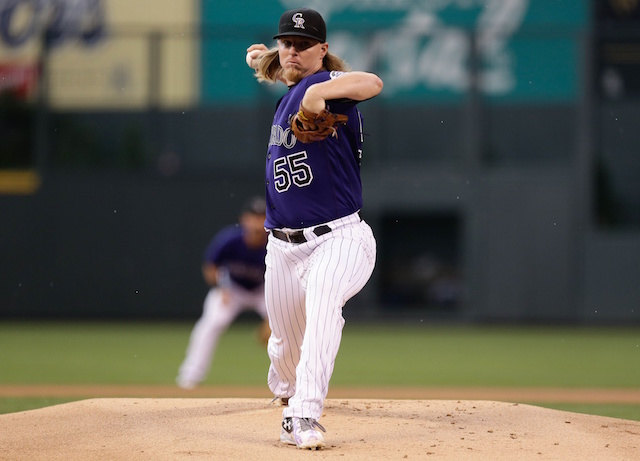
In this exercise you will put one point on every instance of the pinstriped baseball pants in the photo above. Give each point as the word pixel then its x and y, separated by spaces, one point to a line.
pixel 306 287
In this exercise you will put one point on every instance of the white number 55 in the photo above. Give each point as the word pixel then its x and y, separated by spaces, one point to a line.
pixel 291 169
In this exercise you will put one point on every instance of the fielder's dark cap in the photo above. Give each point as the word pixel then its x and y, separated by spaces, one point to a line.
pixel 255 205
pixel 303 22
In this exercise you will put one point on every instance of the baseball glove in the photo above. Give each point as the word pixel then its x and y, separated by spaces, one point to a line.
pixel 308 126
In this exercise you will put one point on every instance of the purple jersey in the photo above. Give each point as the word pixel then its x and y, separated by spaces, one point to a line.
pixel 244 265
pixel 309 184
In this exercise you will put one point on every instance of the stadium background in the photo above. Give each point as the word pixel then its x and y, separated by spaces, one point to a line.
pixel 501 170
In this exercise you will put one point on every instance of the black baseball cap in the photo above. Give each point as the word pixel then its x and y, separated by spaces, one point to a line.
pixel 303 22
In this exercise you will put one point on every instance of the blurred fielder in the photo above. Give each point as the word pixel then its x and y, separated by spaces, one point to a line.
pixel 233 266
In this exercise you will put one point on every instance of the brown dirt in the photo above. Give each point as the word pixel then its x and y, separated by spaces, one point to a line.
pixel 164 423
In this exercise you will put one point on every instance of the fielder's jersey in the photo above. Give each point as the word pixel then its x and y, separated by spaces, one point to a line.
pixel 245 266
pixel 309 184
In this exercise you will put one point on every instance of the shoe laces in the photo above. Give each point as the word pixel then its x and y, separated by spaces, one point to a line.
pixel 308 424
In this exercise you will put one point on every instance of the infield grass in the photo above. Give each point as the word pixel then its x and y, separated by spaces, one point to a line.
pixel 421 355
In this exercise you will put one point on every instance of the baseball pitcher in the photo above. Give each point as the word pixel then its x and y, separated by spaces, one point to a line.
pixel 320 252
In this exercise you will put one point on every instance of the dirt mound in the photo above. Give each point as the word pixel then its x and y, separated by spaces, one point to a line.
pixel 357 429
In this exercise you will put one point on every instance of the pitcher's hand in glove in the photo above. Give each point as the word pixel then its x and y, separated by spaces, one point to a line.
pixel 308 126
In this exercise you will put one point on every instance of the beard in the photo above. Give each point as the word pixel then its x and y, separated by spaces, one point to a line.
pixel 292 74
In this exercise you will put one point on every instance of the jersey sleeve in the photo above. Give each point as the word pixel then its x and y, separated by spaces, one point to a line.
pixel 340 106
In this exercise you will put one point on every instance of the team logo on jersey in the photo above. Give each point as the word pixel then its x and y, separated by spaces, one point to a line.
pixel 298 20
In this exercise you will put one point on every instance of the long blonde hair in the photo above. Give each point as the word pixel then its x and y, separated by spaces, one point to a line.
pixel 270 71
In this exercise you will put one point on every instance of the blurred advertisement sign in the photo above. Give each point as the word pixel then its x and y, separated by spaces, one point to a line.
pixel 19 79
pixel 106 54
pixel 512 50
pixel 54 21
pixel 29 27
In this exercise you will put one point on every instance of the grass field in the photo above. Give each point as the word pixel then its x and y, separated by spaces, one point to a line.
pixel 423 355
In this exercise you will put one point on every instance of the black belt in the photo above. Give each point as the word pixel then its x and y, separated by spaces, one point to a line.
pixel 298 236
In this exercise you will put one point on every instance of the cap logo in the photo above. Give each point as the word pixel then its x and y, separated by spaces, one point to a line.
pixel 298 20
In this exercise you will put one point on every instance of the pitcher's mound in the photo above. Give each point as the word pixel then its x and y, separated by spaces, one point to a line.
pixel 198 429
